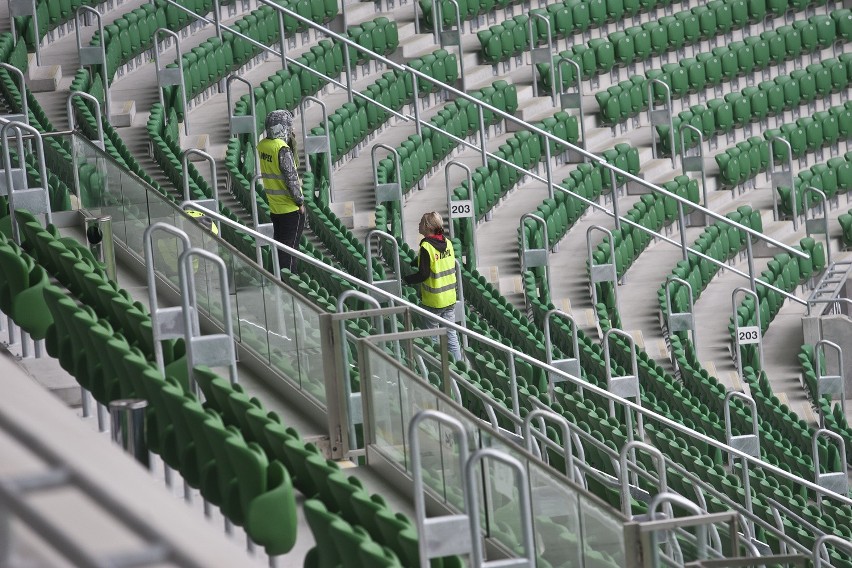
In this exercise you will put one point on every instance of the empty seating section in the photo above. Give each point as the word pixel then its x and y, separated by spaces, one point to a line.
pixel 248 461
pixel 511 38
pixel 832 178
pixel 755 104
pixel 833 415
pixel 50 15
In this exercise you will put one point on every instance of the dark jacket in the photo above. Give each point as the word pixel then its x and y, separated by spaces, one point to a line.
pixel 424 269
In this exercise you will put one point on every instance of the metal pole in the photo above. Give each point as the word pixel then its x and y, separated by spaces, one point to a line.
pixel 99 238
pixel 127 425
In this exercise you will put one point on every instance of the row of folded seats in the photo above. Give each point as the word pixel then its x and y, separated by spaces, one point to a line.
pixel 132 34
pixel 754 104
pixel 690 75
pixel 242 458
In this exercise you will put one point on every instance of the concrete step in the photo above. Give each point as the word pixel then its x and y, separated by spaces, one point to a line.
pixel 44 78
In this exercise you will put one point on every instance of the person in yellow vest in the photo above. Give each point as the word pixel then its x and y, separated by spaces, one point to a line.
pixel 436 275
pixel 282 184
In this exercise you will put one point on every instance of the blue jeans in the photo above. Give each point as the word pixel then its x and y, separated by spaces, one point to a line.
pixel 448 314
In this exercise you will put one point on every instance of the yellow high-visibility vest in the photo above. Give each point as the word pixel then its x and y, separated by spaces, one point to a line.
pixel 439 289
pixel 277 193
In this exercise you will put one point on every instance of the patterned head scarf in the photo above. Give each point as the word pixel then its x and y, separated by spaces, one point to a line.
pixel 279 124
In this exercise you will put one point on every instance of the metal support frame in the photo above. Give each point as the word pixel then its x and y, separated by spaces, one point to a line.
pixel 601 272
pixel 570 440
pixel 746 443
pixel 534 258
pixel 446 535
pixel 241 124
pixel 693 163
pixel 72 121
pixel 92 54
pixel 459 313
pixel 169 76
pixel 660 117
pixel 628 464
pixel 166 323
pixel 541 54
pixel 836 481
pixel 265 228
pixel 21 8
pixel 36 199
pixel 782 177
pixel 570 365
pixel 572 100
pixel 832 385
pixel 472 481
pixel 667 499
pixel 388 191
pixel 816 225
pixel 217 19
pixel 317 143
pixel 625 386
pixel 680 321
pixel 24 116
pixel 392 286
pixel 212 350
pixel 462 209
pixel 819 546
pixel 740 341
pixel 208 203
pixel 354 407
pixel 450 37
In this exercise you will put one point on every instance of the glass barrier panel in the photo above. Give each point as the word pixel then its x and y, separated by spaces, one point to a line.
pixel 282 328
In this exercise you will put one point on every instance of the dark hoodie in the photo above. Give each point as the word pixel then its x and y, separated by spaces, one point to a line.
pixel 424 269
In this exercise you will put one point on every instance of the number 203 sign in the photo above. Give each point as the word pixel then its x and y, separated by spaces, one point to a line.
pixel 461 209
pixel 747 335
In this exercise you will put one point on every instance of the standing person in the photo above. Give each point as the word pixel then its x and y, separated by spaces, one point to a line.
pixel 436 275
pixel 282 184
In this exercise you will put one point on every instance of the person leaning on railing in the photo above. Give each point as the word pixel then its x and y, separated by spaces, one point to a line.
pixel 282 185
pixel 436 274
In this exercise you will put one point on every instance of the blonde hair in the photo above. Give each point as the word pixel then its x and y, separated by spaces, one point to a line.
pixel 432 223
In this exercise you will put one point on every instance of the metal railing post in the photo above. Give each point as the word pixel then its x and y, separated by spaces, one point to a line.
pixel 605 272
pixel 625 386
pixel 446 535
pixel 317 144
pixel 534 258
pixel 452 37
pixel 241 124
pixel 570 365
pixel 166 323
pixel 693 163
pixel 680 321
pixel 836 481
pixel 388 191
pixel 746 443
pixel 832 385
pixel 171 76
pixel 92 54
pixel 37 198
pixel 391 286
pixel 24 116
pixel 816 225
pixel 628 464
pixel 211 350
pixel 472 481
pixel 462 209
pixel 660 117
pixel 749 335
pixel 573 100
pixel 541 54
pixel 185 170
pixel 568 436
pixel 782 177
pixel 266 229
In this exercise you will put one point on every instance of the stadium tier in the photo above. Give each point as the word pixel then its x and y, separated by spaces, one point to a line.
pixel 651 264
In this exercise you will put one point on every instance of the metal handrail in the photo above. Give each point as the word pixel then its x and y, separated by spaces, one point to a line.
pixel 592 388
